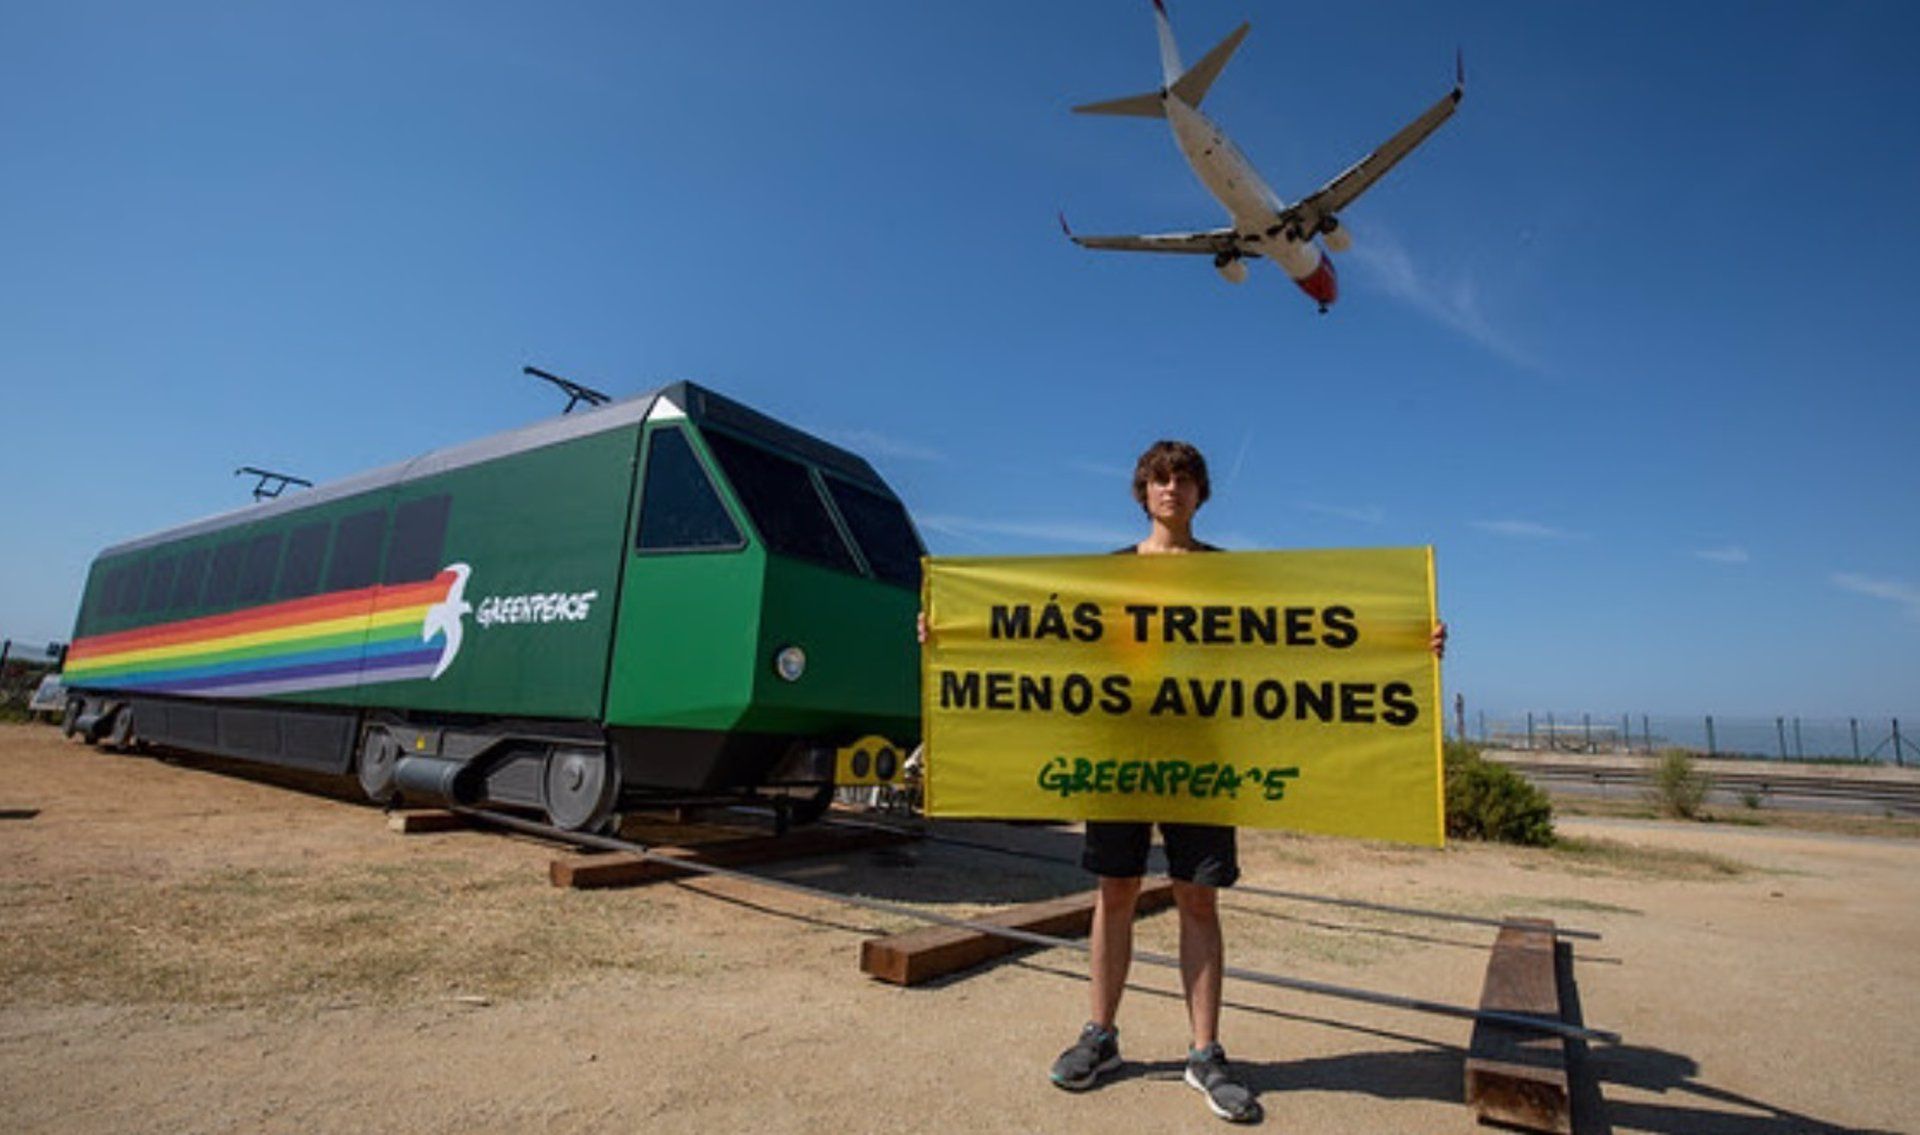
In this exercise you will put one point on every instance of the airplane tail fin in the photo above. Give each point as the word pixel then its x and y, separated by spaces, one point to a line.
pixel 1170 68
pixel 1142 106
pixel 1194 84
pixel 1190 84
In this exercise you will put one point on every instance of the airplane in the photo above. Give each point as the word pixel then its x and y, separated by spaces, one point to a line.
pixel 1263 224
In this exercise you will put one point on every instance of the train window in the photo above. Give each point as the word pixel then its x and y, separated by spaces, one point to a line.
pixel 256 571
pixel 111 591
pixel 419 534
pixel 186 583
pixel 224 576
pixel 107 595
pixel 681 509
pixel 880 526
pixel 306 549
pixel 159 584
pixel 356 550
pixel 103 596
pixel 131 586
pixel 780 496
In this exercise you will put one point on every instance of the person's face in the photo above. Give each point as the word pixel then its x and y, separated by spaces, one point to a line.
pixel 1173 499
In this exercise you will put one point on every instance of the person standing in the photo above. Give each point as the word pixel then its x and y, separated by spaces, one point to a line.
pixel 1170 483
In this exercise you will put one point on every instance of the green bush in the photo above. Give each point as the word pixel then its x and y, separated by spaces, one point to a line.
pixel 1679 787
pixel 1490 801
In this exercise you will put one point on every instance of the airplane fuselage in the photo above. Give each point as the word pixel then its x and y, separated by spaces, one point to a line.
pixel 1255 208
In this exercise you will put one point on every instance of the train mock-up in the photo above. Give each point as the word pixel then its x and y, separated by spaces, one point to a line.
pixel 666 599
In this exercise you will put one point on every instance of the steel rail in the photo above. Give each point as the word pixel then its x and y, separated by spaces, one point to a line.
pixel 1243 888
pixel 1415 912
pixel 1415 1004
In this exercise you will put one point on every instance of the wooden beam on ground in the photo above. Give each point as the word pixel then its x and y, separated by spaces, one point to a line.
pixel 618 869
pixel 1516 1075
pixel 935 951
pixel 423 821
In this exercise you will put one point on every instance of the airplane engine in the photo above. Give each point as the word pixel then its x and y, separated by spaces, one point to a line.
pixel 1232 269
pixel 1338 237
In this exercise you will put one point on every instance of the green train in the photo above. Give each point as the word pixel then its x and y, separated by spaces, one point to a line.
pixel 668 598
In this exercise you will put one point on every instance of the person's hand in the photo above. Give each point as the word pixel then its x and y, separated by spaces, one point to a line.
pixel 1438 642
pixel 920 627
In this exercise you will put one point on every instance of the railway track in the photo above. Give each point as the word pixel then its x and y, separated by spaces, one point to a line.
pixel 1775 788
pixel 1524 1022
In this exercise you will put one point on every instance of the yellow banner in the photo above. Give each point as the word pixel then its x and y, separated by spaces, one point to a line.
pixel 1259 689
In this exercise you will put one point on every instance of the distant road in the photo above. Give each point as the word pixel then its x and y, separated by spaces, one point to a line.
pixel 1872 790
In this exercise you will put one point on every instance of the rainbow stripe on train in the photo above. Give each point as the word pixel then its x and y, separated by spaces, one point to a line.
pixel 339 639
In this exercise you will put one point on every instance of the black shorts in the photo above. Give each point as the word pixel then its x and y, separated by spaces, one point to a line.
pixel 1206 854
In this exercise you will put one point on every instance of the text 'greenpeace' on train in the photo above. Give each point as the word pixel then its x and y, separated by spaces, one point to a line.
pixel 668 598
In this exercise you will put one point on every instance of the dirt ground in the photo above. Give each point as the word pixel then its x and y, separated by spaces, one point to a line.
pixel 187 949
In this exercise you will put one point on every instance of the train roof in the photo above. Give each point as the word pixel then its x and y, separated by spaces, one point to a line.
pixel 694 401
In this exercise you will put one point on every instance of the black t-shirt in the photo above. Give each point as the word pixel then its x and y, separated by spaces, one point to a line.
pixel 1198 546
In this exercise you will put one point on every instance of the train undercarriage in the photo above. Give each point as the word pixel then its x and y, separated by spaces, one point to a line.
pixel 579 776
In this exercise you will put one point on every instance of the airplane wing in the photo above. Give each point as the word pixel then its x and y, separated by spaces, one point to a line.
pixel 1317 208
pixel 1214 242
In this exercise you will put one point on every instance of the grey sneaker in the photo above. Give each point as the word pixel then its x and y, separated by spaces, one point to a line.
pixel 1227 1097
pixel 1096 1053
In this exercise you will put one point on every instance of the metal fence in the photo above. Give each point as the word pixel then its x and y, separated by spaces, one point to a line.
pixel 1880 740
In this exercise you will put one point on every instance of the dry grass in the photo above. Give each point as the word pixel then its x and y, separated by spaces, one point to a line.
pixel 369 933
pixel 1583 855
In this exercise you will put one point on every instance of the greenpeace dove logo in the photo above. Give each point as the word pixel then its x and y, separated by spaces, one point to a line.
pixel 446 618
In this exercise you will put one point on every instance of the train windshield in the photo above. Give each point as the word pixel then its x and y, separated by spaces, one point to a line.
pixel 779 495
pixel 880 526
pixel 681 510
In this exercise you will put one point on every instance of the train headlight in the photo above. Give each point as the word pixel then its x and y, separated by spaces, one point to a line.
pixel 790 663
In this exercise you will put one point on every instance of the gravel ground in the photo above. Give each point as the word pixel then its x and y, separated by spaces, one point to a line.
pixel 186 949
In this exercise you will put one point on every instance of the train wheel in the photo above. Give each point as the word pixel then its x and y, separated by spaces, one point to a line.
pixel 119 734
pixel 809 809
pixel 378 754
pixel 580 788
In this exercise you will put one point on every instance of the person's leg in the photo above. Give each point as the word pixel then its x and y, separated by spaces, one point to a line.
pixel 1202 958
pixel 1117 854
pixel 1112 947
pixel 1203 858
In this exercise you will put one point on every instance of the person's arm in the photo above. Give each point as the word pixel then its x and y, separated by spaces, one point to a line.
pixel 1438 641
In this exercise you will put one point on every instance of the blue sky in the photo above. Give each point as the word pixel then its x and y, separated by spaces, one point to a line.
pixel 1629 341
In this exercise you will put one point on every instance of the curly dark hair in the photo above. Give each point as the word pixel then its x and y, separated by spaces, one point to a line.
pixel 1165 458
